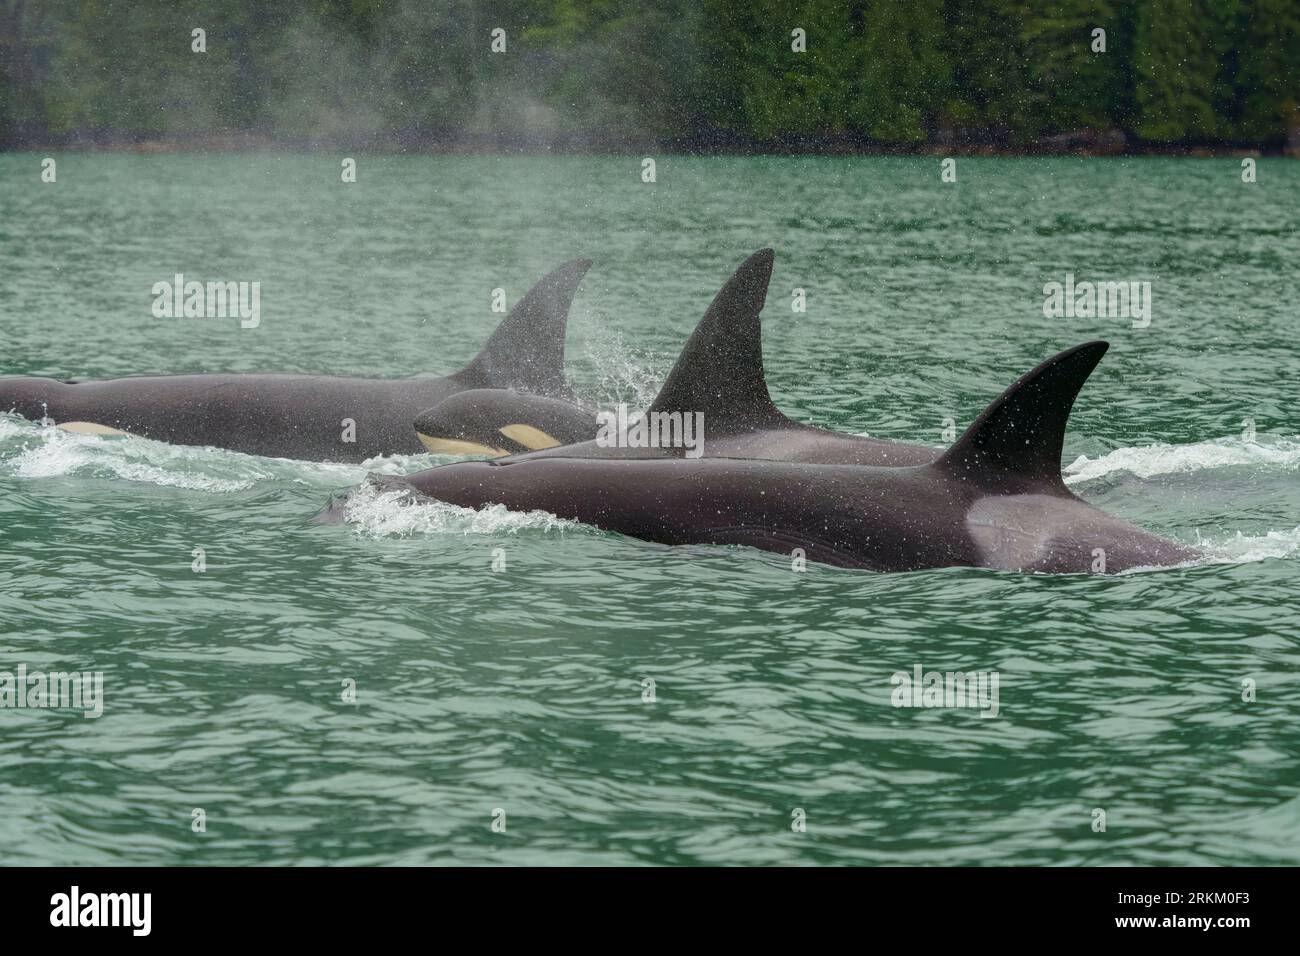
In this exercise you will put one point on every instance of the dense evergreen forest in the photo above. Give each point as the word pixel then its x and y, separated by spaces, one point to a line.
pixel 689 75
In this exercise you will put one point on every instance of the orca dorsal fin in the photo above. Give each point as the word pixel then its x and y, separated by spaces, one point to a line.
pixel 720 370
pixel 1020 435
pixel 526 352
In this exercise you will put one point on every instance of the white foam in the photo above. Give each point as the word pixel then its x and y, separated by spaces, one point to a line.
pixel 1161 459
pixel 393 513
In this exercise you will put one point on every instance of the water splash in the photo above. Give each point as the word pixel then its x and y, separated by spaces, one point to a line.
pixel 623 374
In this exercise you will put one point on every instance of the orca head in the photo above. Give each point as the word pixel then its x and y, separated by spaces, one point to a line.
pixel 495 422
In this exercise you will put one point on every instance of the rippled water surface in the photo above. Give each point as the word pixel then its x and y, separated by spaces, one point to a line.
pixel 522 690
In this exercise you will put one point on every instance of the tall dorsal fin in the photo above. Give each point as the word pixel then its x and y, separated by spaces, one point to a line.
pixel 526 351
pixel 720 370
pixel 1020 435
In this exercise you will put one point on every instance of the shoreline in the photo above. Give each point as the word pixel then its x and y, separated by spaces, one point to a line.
pixel 1080 143
pixel 158 148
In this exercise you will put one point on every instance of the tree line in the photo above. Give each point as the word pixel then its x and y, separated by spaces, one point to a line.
pixel 690 75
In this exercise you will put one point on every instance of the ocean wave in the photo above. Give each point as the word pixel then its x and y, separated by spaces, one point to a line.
pixel 1148 461
pixel 35 451
pixel 1241 548
pixel 31 450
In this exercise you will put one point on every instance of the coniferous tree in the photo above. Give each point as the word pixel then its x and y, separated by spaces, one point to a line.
pixel 990 69
pixel 905 76
pixel 1268 70
pixel 1072 85
pixel 1176 71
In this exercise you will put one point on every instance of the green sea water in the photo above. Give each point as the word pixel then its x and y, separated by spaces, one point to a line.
pixel 520 695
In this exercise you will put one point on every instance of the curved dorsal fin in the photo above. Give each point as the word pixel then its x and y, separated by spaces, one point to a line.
pixel 526 351
pixel 720 370
pixel 1020 435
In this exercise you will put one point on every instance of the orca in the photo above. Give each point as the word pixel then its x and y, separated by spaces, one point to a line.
pixel 718 376
pixel 995 499
pixel 312 417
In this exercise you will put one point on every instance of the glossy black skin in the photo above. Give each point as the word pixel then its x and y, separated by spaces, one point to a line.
pixel 302 416
pixel 880 519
